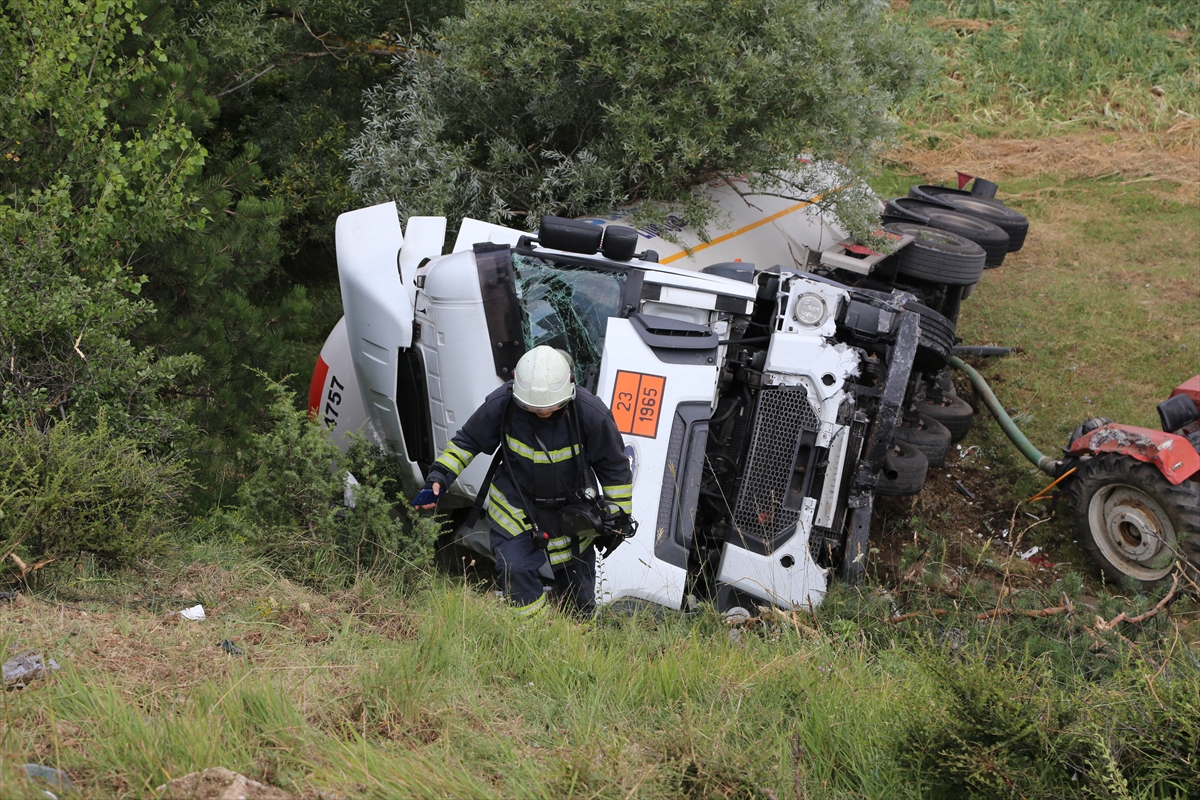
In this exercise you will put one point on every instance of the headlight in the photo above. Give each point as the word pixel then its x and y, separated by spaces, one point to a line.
pixel 810 310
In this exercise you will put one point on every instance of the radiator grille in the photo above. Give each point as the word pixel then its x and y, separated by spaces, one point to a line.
pixel 782 415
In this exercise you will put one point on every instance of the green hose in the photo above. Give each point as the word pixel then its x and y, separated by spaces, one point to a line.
pixel 1045 463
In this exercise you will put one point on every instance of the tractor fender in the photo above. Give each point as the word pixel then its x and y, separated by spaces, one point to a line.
pixel 1174 455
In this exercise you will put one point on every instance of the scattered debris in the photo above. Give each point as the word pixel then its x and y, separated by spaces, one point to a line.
pixel 24 668
pixel 55 777
pixel 1030 553
pixel 963 490
pixel 737 616
pixel 964 454
pixel 229 647
pixel 194 614
pixel 6 596
pixel 218 783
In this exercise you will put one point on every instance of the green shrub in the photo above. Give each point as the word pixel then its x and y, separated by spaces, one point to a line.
pixel 292 504
pixel 999 731
pixel 68 491
pixel 522 109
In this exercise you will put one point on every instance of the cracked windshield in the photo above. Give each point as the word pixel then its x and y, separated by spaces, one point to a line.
pixel 568 307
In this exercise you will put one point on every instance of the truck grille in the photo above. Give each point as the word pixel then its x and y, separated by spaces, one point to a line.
pixel 782 415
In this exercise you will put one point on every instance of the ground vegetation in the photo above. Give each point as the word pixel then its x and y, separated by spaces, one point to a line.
pixel 168 177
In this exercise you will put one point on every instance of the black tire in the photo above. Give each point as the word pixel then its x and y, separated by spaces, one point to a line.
pixel 937 194
pixel 937 256
pixel 991 238
pixel 929 436
pixel 903 473
pixel 936 338
pixel 1011 221
pixel 1132 521
pixel 953 412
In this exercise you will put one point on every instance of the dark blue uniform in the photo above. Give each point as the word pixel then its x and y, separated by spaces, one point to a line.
pixel 543 457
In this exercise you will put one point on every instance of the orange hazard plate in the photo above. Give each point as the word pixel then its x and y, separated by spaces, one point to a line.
pixel 636 401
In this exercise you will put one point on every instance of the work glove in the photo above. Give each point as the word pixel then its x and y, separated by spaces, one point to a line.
pixel 428 496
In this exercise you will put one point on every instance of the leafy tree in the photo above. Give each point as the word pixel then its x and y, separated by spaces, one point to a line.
pixel 290 79
pixel 521 109
pixel 81 189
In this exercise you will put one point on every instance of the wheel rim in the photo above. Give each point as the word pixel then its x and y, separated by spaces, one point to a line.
pixel 1132 531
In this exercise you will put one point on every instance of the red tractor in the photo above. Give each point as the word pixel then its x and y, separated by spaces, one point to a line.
pixel 1135 492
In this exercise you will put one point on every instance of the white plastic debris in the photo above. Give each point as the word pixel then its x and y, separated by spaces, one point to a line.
pixel 1030 553
pixel 195 613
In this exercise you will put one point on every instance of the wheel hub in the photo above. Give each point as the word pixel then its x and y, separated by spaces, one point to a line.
pixel 1134 529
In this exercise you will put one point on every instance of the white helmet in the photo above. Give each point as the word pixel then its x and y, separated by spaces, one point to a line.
pixel 542 380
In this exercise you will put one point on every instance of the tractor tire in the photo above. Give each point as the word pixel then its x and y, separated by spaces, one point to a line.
pixel 1132 522
pixel 903 472
pixel 1011 221
pixel 991 238
pixel 937 256
pixel 936 338
pixel 929 436
pixel 953 412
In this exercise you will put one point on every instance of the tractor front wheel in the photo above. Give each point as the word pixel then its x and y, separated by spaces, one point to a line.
pixel 1132 521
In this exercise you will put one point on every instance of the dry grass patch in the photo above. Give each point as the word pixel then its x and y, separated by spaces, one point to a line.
pixel 1172 157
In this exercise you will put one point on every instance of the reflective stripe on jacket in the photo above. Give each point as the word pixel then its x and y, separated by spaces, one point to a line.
pixel 543 458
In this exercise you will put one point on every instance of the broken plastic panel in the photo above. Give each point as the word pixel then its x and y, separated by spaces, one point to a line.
pixel 567 306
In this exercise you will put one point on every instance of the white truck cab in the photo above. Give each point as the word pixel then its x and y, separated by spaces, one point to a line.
pixel 757 405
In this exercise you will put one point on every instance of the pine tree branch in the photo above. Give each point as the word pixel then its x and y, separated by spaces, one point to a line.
pixel 295 58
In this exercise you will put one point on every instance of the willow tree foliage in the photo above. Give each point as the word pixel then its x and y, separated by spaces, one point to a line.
pixel 521 109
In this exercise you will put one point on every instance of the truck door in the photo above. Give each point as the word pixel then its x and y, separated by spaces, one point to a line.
pixel 658 376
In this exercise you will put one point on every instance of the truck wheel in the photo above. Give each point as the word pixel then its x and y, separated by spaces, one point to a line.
pixel 991 238
pixel 1009 220
pixel 1131 521
pixel 929 436
pixel 938 214
pixel 903 472
pixel 937 256
pixel 953 412
pixel 936 338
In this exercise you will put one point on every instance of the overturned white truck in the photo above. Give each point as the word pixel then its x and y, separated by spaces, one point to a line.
pixel 758 397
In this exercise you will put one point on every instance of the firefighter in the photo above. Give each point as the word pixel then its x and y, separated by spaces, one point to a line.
pixel 554 436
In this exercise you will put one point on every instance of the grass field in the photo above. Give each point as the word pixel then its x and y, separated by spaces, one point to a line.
pixel 1087 116
pixel 435 690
